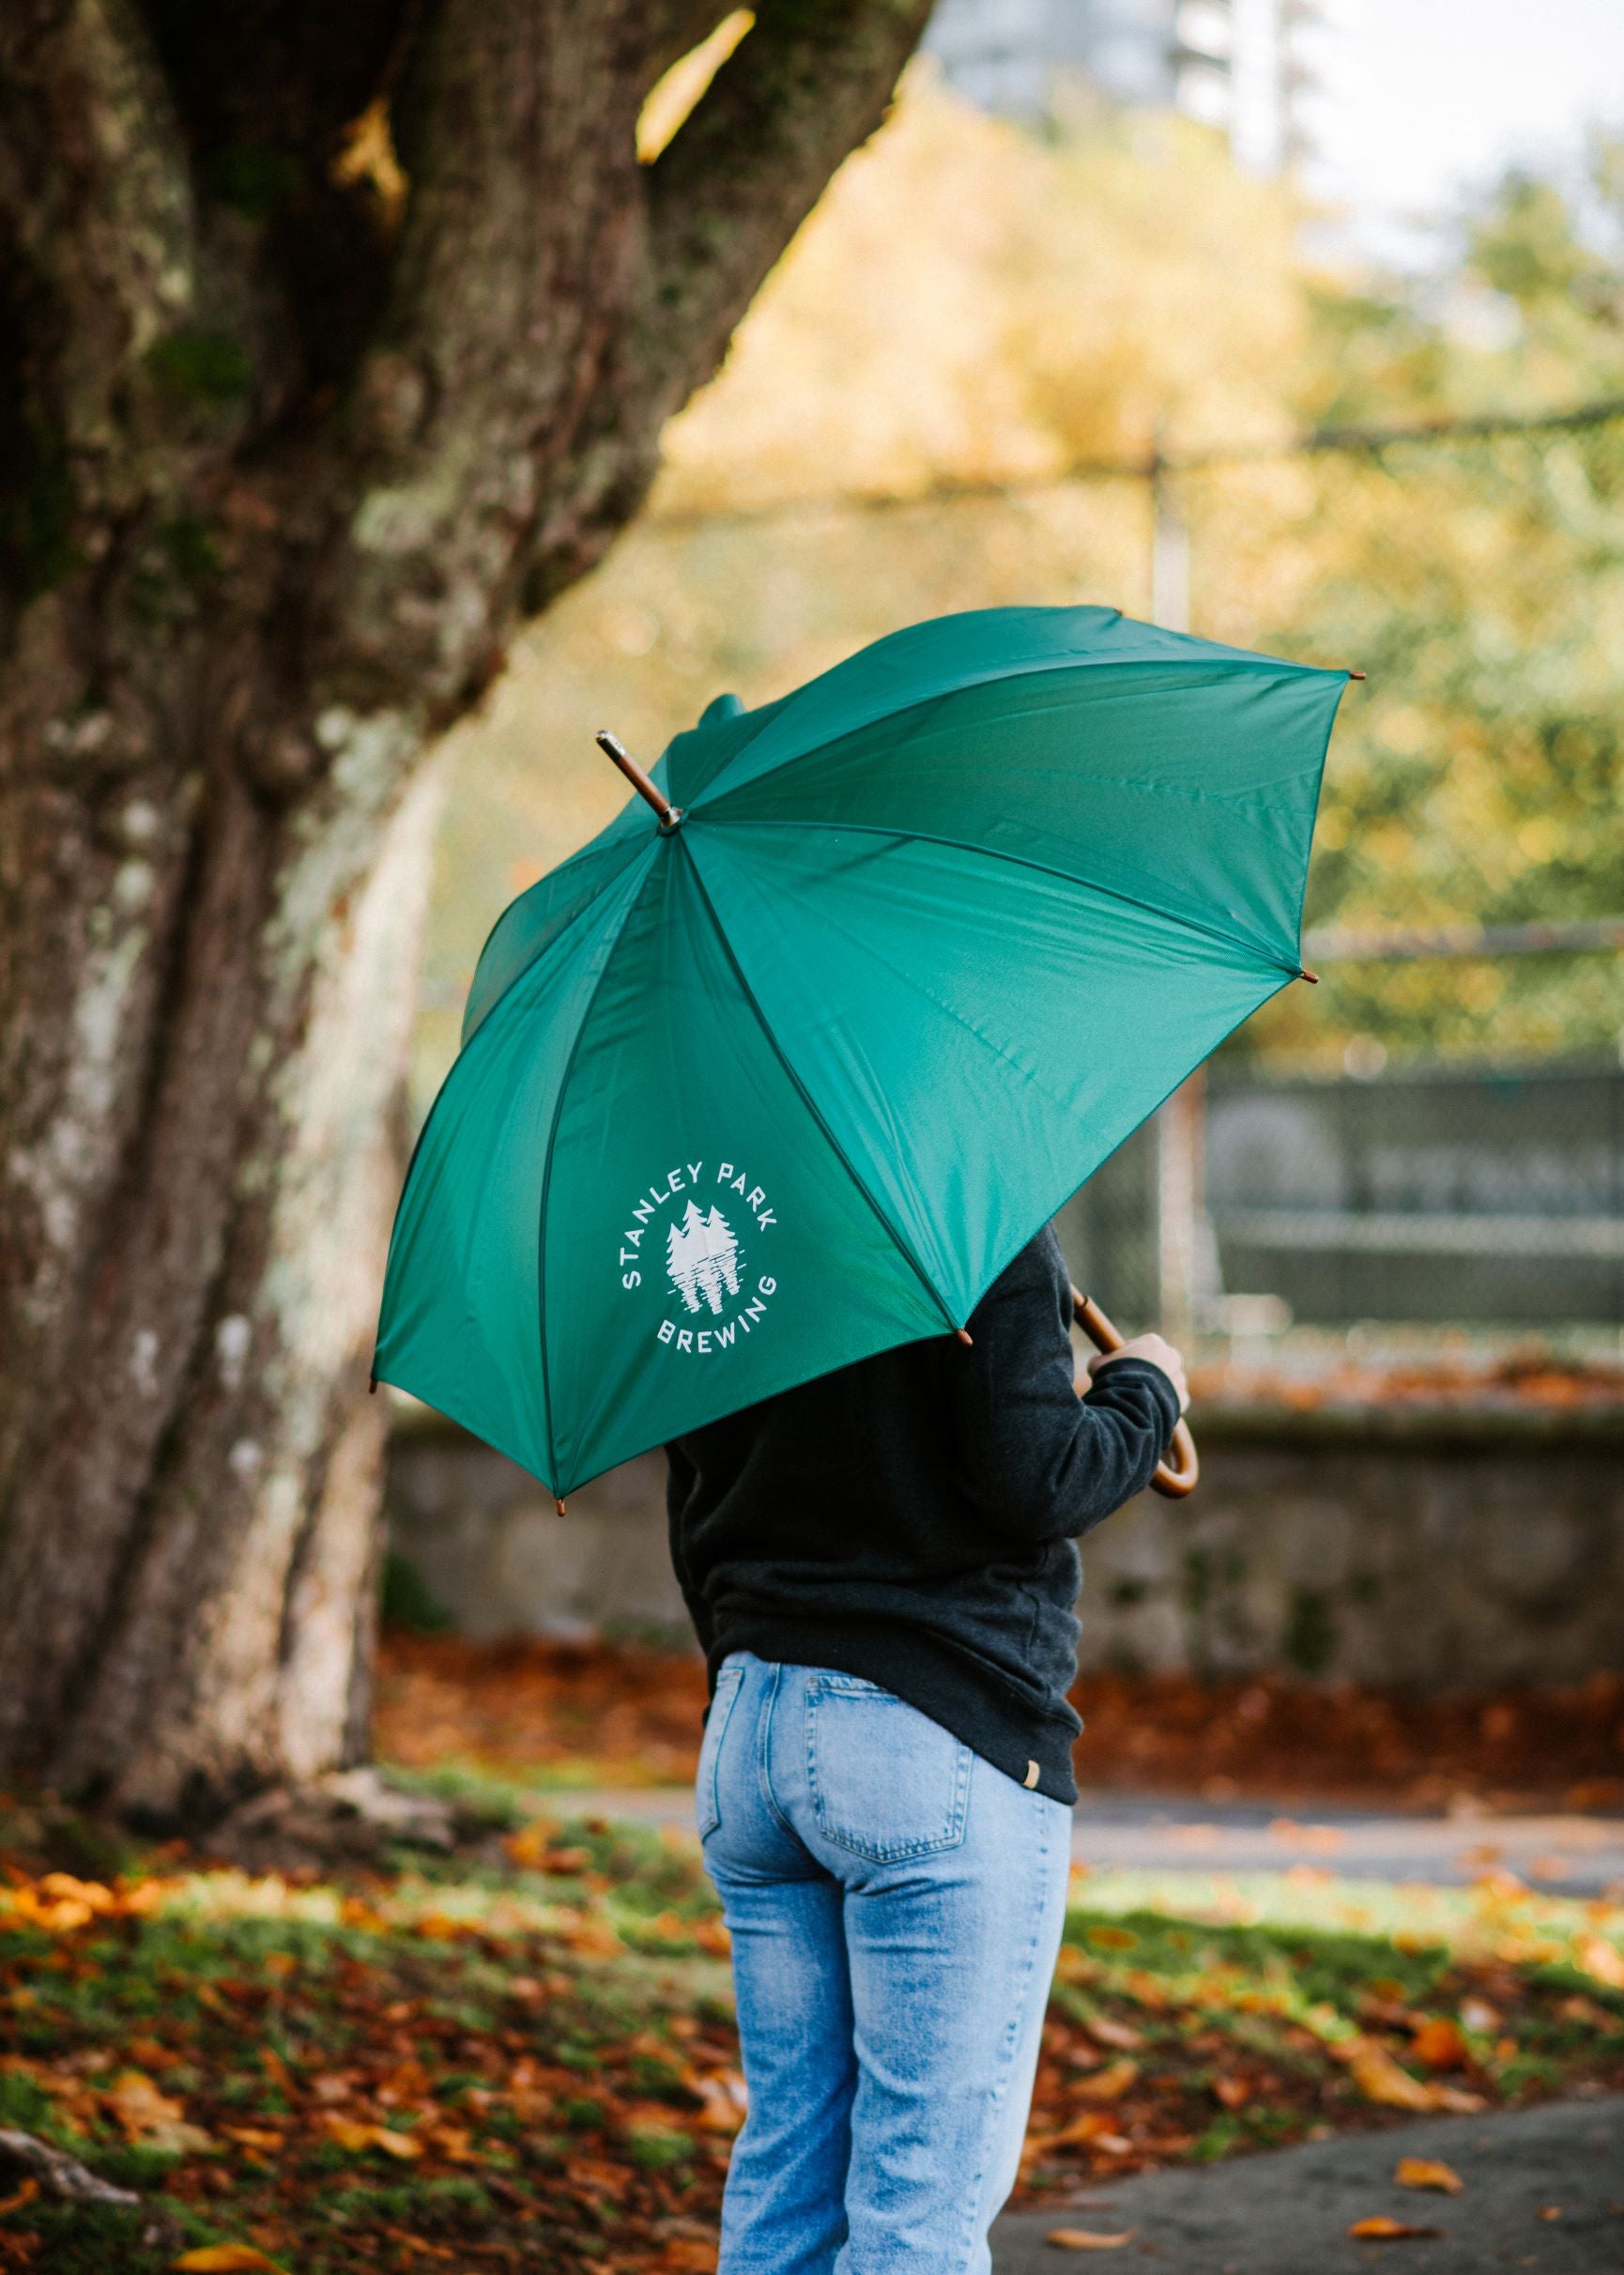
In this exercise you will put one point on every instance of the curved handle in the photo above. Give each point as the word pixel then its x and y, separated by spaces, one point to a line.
pixel 1180 1473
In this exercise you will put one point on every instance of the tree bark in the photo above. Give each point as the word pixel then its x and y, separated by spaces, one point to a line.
pixel 340 338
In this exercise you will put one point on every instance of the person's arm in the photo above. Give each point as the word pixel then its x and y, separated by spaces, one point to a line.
pixel 1044 1464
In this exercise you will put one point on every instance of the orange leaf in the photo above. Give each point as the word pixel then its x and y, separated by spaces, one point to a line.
pixel 1439 2045
pixel 1380 2229
pixel 351 2133
pixel 1604 1960
pixel 722 2095
pixel 1108 2085
pixel 1087 2126
pixel 1379 2078
pixel 1233 2092
pixel 138 2104
pixel 404 2145
pixel 253 2136
pixel 225 2259
pixel 348 2132
pixel 14 2203
pixel 1429 2172
pixel 152 2118
pixel 1121 2035
pixel 1087 2239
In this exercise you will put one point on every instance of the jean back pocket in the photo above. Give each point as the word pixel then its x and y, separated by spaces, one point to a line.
pixel 886 1782
pixel 707 1794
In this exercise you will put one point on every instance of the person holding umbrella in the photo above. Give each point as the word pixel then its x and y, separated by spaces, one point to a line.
pixel 764 1102
pixel 881 1567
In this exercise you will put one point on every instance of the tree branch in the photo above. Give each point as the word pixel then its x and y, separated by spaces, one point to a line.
pixel 678 27
pixel 811 81
pixel 516 262
pixel 553 303
pixel 97 206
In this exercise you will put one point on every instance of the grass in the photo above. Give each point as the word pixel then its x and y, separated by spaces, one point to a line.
pixel 524 2056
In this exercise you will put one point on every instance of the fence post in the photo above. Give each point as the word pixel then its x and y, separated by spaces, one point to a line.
pixel 1186 1251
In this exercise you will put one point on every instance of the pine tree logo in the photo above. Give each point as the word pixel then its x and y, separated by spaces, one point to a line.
pixel 702 1258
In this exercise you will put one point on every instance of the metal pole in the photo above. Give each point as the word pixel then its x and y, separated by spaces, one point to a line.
pixel 1186 1250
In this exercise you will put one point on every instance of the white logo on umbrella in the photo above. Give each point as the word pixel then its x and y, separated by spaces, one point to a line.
pixel 702 1258
pixel 721 1293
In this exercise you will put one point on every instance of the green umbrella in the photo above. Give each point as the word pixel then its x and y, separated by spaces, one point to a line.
pixel 784 1071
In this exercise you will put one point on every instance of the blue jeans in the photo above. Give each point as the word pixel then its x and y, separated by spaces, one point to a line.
pixel 896 1907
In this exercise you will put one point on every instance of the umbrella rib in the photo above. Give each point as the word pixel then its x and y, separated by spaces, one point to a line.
pixel 804 1095
pixel 468 1044
pixel 1227 659
pixel 564 1079
pixel 564 930
pixel 995 852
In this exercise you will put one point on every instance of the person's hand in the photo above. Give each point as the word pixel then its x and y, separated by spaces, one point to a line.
pixel 1159 1352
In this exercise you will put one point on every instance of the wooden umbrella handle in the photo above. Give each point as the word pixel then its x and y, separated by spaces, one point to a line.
pixel 1180 1473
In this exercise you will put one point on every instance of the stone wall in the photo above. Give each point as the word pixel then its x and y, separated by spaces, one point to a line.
pixel 1430 1550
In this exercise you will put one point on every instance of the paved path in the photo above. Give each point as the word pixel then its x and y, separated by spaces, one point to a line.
pixel 1564 1855
pixel 1288 2213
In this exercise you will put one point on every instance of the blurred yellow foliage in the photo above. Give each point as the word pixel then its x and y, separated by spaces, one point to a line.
pixel 974 310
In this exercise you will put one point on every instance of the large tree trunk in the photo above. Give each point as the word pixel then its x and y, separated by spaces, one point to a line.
pixel 289 442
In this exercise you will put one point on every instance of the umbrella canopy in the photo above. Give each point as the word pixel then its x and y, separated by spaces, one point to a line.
pixel 746 1098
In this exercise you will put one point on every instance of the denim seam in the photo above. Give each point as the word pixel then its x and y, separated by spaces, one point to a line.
pixel 1011 2038
pixel 763 1752
pixel 734 1678
pixel 895 1851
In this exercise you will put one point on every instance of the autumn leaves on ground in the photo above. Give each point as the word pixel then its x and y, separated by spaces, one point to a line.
pixel 519 2052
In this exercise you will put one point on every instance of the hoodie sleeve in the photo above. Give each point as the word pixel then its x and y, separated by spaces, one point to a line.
pixel 1044 1464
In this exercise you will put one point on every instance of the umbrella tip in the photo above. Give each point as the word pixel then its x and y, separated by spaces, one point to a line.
pixel 1312 978
pixel 557 1504
pixel 965 1337
pixel 1356 675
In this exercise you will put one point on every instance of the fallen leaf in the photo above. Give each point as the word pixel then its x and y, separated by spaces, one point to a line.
pixel 722 2095
pixel 139 2104
pixel 1439 2044
pixel 416 2243
pixel 1380 2229
pixel 1458 2101
pixel 1108 2085
pixel 152 2118
pixel 1107 2032
pixel 1087 2239
pixel 1549 2211
pixel 253 2136
pixel 1231 2091
pixel 225 2259
pixel 1088 2126
pixel 152 2054
pixel 351 2133
pixel 1379 2078
pixel 1604 1960
pixel 1429 2172
pixel 14 2203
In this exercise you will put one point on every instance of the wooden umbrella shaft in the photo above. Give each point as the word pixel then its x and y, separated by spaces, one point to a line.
pixel 1180 1473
